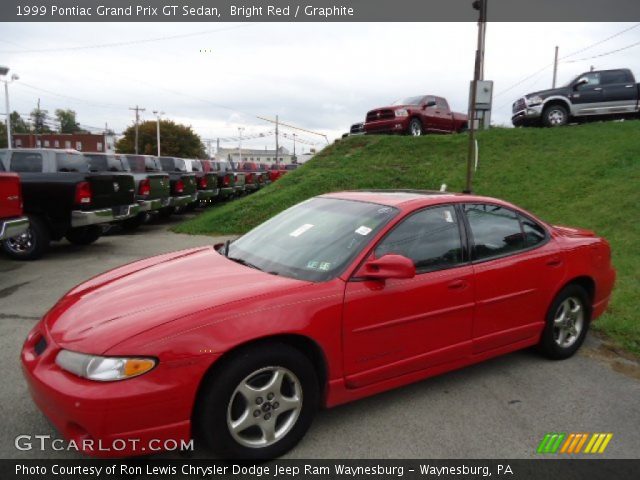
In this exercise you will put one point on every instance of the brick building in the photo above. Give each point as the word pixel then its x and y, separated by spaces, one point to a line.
pixel 83 142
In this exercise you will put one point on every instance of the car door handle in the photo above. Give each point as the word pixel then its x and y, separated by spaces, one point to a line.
pixel 457 285
pixel 554 262
pixel 629 86
pixel 597 89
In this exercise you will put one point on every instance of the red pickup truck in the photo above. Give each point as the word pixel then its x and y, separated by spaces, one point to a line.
pixel 416 116
pixel 12 222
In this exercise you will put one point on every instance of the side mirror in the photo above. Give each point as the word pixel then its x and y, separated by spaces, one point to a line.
pixel 430 103
pixel 387 266
pixel 580 81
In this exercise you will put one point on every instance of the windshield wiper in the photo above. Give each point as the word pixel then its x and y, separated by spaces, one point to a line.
pixel 244 262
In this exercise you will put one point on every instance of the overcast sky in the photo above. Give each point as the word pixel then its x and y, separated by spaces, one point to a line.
pixel 321 77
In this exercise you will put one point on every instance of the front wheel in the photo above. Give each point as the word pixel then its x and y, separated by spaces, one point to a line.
pixel 415 127
pixel 260 404
pixel 84 235
pixel 32 244
pixel 567 323
pixel 555 116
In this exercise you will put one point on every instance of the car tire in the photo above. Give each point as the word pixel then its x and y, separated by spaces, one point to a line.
pixel 273 420
pixel 415 128
pixel 84 235
pixel 555 116
pixel 567 323
pixel 32 244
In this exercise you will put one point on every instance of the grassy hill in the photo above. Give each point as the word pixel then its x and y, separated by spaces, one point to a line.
pixel 587 176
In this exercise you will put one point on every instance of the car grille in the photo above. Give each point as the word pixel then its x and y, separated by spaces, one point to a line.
pixel 519 105
pixel 374 115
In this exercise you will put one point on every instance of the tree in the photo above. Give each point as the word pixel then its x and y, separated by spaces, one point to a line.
pixel 18 125
pixel 176 140
pixel 38 118
pixel 67 120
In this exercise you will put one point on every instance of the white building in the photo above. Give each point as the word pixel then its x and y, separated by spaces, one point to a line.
pixel 255 155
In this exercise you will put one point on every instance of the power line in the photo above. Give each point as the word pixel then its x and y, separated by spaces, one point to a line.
pixel 124 43
pixel 604 54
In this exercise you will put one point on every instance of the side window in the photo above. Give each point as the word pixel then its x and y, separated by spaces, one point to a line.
pixel 615 77
pixel 534 234
pixel 430 238
pixel 593 79
pixel 442 103
pixel 495 230
pixel 26 162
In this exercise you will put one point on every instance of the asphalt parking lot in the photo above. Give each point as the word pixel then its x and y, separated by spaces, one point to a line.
pixel 499 409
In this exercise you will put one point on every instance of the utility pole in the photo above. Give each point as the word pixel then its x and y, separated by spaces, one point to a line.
pixel 277 147
pixel 240 129
pixel 481 6
pixel 138 110
pixel 157 114
pixel 555 68
pixel 217 146
pixel 294 148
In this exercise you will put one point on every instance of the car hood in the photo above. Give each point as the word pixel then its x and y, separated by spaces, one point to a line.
pixel 114 306
pixel 550 92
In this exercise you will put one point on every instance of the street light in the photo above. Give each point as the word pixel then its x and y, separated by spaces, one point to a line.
pixel 157 113
pixel 4 71
pixel 240 129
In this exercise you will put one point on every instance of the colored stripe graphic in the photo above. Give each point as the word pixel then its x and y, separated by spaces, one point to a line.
pixel 551 442
pixel 598 442
pixel 573 443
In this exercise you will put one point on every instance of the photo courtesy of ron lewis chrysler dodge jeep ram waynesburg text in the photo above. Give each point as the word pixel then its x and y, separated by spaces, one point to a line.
pixel 596 95
pixel 342 296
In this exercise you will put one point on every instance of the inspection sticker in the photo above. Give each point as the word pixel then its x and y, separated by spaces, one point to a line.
pixel 324 266
pixel 363 230
pixel 313 264
pixel 300 230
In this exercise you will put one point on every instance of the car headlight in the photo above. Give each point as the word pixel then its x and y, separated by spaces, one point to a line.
pixel 103 369
pixel 402 112
pixel 535 100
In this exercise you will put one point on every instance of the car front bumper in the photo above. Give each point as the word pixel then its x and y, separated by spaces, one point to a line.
pixel 183 200
pixel 13 227
pixel 207 194
pixel 121 418
pixel 84 218
pixel 391 125
pixel 527 116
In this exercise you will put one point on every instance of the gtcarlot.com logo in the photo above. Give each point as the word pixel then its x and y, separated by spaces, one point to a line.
pixel 47 442
pixel 574 443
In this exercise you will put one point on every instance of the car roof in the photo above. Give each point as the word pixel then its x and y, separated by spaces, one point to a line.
pixel 410 199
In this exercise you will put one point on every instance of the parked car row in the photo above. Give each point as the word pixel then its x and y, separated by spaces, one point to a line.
pixel 49 194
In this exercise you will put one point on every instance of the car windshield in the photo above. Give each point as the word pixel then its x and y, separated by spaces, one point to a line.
pixel 314 240
pixel 409 101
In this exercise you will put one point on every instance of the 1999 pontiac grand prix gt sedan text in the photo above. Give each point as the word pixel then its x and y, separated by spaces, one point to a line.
pixel 342 296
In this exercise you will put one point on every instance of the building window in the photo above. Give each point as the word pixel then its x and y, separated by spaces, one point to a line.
pixel 67 144
pixel 78 146
pixel 38 143
pixel 99 147
pixel 56 143
pixel 46 143
pixel 18 142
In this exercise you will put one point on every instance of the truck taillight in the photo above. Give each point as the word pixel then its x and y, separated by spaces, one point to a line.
pixel 83 193
pixel 179 186
pixel 145 187
pixel 226 180
pixel 202 182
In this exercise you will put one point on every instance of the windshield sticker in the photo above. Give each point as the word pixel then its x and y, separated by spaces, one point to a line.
pixel 362 230
pixel 313 264
pixel 324 266
pixel 447 216
pixel 385 210
pixel 300 230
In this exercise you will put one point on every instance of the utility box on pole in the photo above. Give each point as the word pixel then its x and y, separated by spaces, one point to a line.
pixel 484 99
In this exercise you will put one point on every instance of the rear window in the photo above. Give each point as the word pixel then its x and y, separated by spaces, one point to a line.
pixel 616 76
pixel 170 164
pixel 136 163
pixel 152 164
pixel 196 166
pixel 105 163
pixel 26 162
pixel 71 162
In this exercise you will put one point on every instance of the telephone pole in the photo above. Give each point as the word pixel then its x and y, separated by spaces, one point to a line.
pixel 555 68
pixel 277 149
pixel 294 147
pixel 240 129
pixel 137 109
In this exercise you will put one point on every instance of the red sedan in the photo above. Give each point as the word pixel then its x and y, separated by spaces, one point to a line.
pixel 340 297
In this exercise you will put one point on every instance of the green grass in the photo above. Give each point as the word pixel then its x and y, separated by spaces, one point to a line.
pixel 586 176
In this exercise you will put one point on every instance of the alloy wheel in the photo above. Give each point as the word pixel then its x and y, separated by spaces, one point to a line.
pixel 556 117
pixel 20 244
pixel 416 129
pixel 264 407
pixel 568 322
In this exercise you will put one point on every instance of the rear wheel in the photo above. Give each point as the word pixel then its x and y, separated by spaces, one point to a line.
pixel 415 127
pixel 260 405
pixel 566 324
pixel 84 235
pixel 32 244
pixel 555 116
